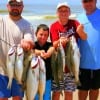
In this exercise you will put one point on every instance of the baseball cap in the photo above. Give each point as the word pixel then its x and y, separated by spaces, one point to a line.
pixel 65 4
pixel 15 0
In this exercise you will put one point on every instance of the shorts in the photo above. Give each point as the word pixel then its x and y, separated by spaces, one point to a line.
pixel 67 85
pixel 4 92
pixel 89 79
pixel 47 94
pixel 14 91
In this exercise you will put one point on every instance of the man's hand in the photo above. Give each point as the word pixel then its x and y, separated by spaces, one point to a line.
pixel 81 33
pixel 27 44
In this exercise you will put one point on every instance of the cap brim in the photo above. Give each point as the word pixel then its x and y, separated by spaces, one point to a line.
pixel 62 6
pixel 15 1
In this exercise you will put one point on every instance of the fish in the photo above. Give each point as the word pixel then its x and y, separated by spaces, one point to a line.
pixel 10 66
pixel 32 80
pixel 54 67
pixel 42 78
pixel 76 59
pixel 28 55
pixel 58 64
pixel 19 64
pixel 62 55
pixel 72 58
pixel 68 56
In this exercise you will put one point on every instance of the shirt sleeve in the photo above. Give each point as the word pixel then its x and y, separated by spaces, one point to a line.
pixel 54 33
pixel 77 23
pixel 29 33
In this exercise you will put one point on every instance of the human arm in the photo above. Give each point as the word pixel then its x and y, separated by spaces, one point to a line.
pixel 27 42
pixel 55 37
pixel 39 52
pixel 62 40
pixel 44 54
pixel 49 52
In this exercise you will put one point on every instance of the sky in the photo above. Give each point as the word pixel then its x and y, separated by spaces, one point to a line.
pixel 72 2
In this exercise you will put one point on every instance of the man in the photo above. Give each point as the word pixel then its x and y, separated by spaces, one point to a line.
pixel 90 52
pixel 13 30
pixel 59 30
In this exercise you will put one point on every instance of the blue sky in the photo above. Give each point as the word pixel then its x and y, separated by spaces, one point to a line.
pixel 44 1
pixel 72 2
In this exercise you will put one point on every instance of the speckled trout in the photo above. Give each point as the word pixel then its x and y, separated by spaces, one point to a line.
pixel 10 65
pixel 32 80
pixel 42 78
pixel 28 55
pixel 19 64
pixel 58 64
pixel 72 60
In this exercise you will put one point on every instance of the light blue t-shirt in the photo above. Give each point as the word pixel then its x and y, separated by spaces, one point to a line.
pixel 90 48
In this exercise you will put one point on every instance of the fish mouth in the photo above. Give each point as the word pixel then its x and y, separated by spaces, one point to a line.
pixel 19 51
pixel 11 52
pixel 33 67
pixel 34 62
pixel 20 54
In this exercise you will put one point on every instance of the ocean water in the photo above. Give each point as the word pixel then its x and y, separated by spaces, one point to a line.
pixel 41 13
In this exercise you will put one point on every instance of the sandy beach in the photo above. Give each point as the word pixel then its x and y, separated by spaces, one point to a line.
pixel 75 97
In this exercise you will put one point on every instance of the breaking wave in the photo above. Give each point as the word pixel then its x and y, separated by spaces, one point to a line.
pixel 46 17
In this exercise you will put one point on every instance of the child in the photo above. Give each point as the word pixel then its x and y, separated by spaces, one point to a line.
pixel 44 49
pixel 59 31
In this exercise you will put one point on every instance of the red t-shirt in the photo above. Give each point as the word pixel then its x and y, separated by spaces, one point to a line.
pixel 57 29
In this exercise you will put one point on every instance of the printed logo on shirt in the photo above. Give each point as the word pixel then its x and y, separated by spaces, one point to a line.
pixel 70 32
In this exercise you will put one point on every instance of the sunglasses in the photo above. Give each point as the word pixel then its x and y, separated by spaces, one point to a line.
pixel 15 4
pixel 85 1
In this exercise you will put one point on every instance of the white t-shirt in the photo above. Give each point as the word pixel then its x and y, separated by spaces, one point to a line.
pixel 11 32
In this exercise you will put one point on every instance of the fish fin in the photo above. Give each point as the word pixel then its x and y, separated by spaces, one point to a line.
pixel 78 83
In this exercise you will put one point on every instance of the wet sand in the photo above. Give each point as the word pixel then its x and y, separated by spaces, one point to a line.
pixel 75 97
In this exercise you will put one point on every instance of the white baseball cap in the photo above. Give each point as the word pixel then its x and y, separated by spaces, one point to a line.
pixel 65 4
pixel 15 0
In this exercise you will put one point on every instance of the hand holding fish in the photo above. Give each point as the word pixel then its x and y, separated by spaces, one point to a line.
pixel 27 44
pixel 63 40
pixel 45 55
pixel 81 33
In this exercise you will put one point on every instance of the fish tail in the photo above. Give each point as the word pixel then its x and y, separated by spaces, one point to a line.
pixel 9 84
pixel 40 97
pixel 78 83
pixel 61 92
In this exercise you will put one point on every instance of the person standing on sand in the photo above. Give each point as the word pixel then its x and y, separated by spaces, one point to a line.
pixel 90 52
pixel 13 30
pixel 67 27
pixel 44 49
